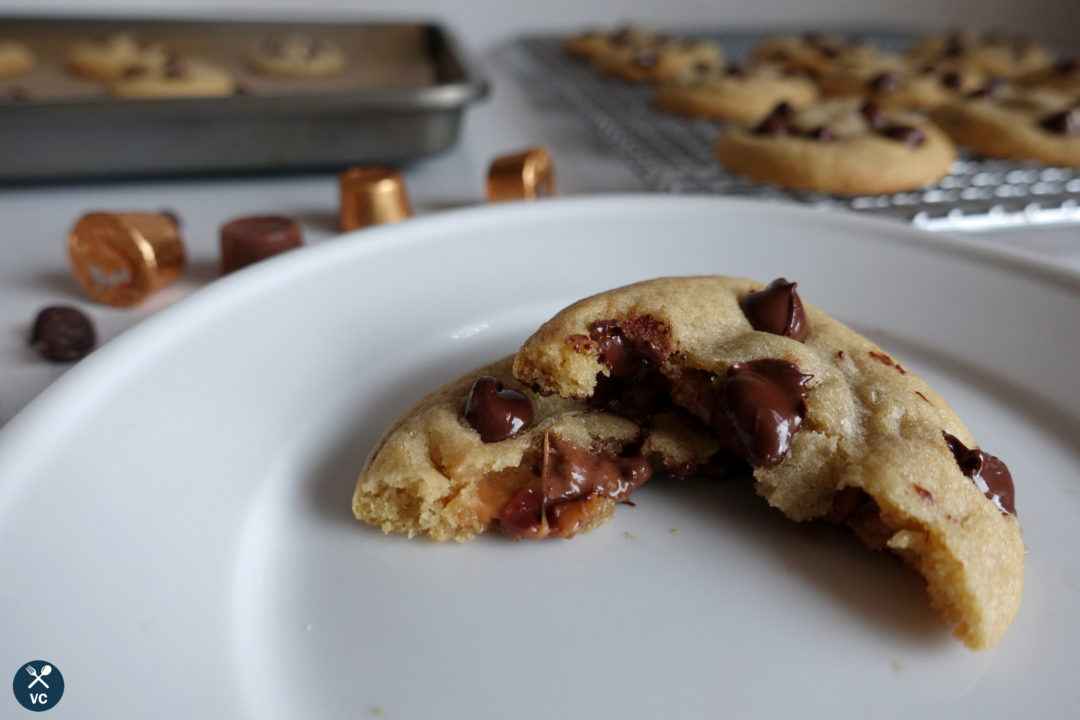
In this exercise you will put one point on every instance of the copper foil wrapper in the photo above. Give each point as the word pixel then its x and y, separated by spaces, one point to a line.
pixel 526 175
pixel 370 196
pixel 122 258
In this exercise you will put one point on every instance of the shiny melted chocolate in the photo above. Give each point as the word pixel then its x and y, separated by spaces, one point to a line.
pixel 497 413
pixel 633 348
pixel 758 407
pixel 776 309
pixel 988 472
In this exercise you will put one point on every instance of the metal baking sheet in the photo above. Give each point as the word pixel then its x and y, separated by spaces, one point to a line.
pixel 675 154
pixel 402 96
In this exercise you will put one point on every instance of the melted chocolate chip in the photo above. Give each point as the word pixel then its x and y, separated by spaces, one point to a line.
pixel 1066 122
pixel 908 135
pixel 633 349
pixel 63 334
pixel 777 123
pixel 646 58
pixel 497 413
pixel 776 309
pixel 735 70
pixel 874 114
pixel 988 472
pixel 822 133
pixel 1066 67
pixel 928 69
pixel 885 82
pixel 952 80
pixel 132 72
pixel 757 409
pixel 954 46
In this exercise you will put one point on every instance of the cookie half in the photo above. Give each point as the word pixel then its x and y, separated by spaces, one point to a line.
pixel 833 426
pixel 1016 123
pixel 839 146
pixel 735 93
pixel 485 452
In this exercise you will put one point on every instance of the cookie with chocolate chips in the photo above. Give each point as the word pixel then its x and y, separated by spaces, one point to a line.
pixel 811 53
pixel 893 83
pixel 1016 123
pixel 593 44
pixel 733 93
pixel 298 55
pixel 1063 76
pixel 661 59
pixel 179 77
pixel 486 452
pixel 108 57
pixel 995 53
pixel 833 426
pixel 842 146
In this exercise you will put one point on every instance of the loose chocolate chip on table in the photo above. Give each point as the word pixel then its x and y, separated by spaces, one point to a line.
pixel 497 413
pixel 777 123
pixel 874 114
pixel 910 136
pixel 988 472
pixel 250 239
pixel 757 409
pixel 952 80
pixel 885 82
pixel 1066 122
pixel 776 309
pixel 62 334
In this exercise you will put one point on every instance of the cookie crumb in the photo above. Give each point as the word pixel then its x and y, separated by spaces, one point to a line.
pixel 377 711
pixel 674 531
pixel 899 668
pixel 628 536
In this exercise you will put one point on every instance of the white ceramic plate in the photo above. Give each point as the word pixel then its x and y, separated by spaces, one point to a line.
pixel 176 537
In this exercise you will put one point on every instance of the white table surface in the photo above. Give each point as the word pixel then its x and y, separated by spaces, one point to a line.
pixel 34 269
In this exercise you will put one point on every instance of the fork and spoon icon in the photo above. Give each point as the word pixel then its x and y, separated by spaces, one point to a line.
pixel 38 677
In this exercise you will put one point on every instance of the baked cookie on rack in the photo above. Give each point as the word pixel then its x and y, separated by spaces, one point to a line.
pixel 994 53
pixel 486 452
pixel 109 56
pixel 811 53
pixel 298 55
pixel 833 425
pixel 593 44
pixel 1016 123
pixel 735 92
pixel 16 58
pixel 1063 76
pixel 842 146
pixel 661 59
pixel 179 77
pixel 892 82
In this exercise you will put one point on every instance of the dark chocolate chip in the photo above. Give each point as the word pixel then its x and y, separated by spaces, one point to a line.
pixel 874 114
pixel 911 136
pixel 1066 122
pixel 885 82
pixel 991 90
pixel 758 408
pixel 776 309
pixel 623 37
pixel 952 80
pixel 62 334
pixel 497 413
pixel 646 58
pixel 954 46
pixel 777 123
pixel 242 89
pixel 132 72
pixel 251 239
pixel 928 69
pixel 736 70
pixel 1066 67
pixel 633 349
pixel 988 472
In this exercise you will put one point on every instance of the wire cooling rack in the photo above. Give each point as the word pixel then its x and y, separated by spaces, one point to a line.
pixel 674 154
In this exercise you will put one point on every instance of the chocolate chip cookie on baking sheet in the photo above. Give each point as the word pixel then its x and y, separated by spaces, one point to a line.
pixel 840 146
pixel 893 82
pixel 108 57
pixel 735 92
pixel 298 55
pixel 994 53
pixel 485 452
pixel 1016 123
pixel 179 77
pixel 660 59
pixel 833 426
